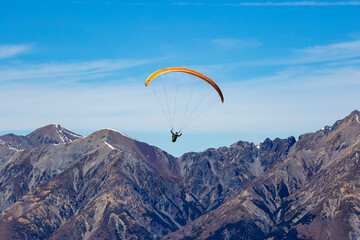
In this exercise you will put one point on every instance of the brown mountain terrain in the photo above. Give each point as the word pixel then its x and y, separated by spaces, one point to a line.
pixel 312 194
pixel 56 184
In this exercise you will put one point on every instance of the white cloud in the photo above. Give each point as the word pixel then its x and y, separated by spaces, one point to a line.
pixel 118 106
pixel 289 102
pixel 269 3
pixel 231 43
pixel 55 92
pixel 296 99
pixel 265 3
pixel 331 52
pixel 7 51
pixel 75 71
pixel 336 54
pixel 299 3
pixel 311 88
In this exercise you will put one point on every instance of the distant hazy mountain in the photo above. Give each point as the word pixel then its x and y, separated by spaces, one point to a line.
pixel 56 184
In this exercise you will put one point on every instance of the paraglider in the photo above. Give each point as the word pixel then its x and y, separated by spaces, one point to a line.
pixel 175 135
pixel 183 94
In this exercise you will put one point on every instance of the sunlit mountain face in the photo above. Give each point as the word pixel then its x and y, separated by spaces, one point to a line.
pixel 56 184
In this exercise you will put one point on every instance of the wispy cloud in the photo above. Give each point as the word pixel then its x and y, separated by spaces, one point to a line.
pixel 331 52
pixel 240 4
pixel 290 100
pixel 10 50
pixel 336 54
pixel 298 96
pixel 66 71
pixel 231 43
pixel 92 107
pixel 265 4
pixel 50 92
pixel 299 3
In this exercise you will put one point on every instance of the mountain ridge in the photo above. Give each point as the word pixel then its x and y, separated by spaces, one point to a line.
pixel 265 198
pixel 109 185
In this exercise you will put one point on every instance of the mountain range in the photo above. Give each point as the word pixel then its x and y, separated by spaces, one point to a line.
pixel 56 184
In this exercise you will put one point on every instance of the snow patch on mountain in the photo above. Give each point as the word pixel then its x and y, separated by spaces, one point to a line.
pixel 8 145
pixel 62 139
pixel 66 135
pixel 357 118
pixel 326 128
pixel 109 145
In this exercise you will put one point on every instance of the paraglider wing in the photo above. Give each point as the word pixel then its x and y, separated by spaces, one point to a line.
pixel 189 71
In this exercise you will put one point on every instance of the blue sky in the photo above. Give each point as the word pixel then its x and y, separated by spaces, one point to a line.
pixel 285 67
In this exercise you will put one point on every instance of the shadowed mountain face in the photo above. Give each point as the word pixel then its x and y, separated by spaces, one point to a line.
pixel 211 177
pixel 55 184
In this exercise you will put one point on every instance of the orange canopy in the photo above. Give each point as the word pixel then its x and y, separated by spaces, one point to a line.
pixel 185 70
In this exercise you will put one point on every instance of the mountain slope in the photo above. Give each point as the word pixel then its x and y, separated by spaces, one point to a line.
pixel 137 185
pixel 316 181
pixel 26 166
pixel 9 145
pixel 15 142
pixel 110 186
pixel 127 185
pixel 214 175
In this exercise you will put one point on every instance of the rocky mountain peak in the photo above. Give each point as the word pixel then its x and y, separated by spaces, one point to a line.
pixel 352 118
pixel 51 134
pixel 112 136
pixel 341 134
pixel 111 186
pixel 355 112
pixel 355 115
pixel 96 176
pixel 163 163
